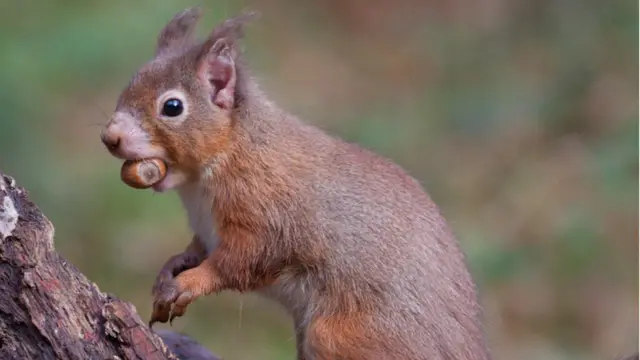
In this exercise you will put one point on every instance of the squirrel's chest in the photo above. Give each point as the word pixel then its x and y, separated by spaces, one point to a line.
pixel 199 207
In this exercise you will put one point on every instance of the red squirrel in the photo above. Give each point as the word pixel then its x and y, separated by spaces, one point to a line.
pixel 349 243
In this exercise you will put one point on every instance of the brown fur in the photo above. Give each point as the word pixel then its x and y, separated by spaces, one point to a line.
pixel 348 242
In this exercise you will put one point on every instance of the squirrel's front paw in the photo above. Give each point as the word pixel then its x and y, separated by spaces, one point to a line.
pixel 162 280
pixel 173 267
pixel 173 296
pixel 165 303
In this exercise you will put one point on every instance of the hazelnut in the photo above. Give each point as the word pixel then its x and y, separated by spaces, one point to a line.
pixel 142 174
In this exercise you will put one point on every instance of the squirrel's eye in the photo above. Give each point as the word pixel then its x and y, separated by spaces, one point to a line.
pixel 172 107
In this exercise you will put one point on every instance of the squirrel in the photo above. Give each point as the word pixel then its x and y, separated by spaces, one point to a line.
pixel 345 239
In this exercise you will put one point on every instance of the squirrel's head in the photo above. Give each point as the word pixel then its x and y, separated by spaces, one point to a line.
pixel 178 107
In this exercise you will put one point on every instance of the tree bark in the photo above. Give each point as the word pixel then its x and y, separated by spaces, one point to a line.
pixel 50 310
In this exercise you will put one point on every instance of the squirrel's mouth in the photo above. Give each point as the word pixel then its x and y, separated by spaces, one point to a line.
pixel 134 149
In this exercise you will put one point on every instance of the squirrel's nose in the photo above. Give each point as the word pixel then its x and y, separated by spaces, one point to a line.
pixel 110 139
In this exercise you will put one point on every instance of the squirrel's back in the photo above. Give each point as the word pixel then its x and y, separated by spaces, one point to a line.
pixel 382 251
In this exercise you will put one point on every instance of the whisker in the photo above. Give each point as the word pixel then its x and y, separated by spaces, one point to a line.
pixel 240 313
pixel 104 113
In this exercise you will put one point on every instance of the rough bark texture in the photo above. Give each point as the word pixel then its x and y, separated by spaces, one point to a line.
pixel 49 310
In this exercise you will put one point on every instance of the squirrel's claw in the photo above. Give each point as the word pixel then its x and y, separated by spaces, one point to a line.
pixel 180 305
pixel 165 296
pixel 172 297
pixel 170 303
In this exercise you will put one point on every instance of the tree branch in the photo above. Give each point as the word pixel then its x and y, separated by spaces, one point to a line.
pixel 50 310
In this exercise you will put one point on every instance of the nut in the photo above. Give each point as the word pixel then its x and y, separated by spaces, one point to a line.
pixel 142 174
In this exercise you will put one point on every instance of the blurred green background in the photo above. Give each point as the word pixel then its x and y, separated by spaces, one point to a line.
pixel 520 118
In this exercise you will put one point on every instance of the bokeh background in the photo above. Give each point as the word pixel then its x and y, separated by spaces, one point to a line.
pixel 520 118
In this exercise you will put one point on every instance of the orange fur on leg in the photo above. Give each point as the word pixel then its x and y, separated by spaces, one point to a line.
pixel 183 290
pixel 191 257
pixel 344 337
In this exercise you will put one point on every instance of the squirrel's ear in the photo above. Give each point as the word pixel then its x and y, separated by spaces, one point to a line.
pixel 217 69
pixel 178 30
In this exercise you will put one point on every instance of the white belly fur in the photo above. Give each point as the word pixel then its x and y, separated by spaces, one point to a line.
pixel 199 205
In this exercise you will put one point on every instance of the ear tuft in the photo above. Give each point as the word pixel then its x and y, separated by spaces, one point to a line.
pixel 179 30
pixel 233 29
